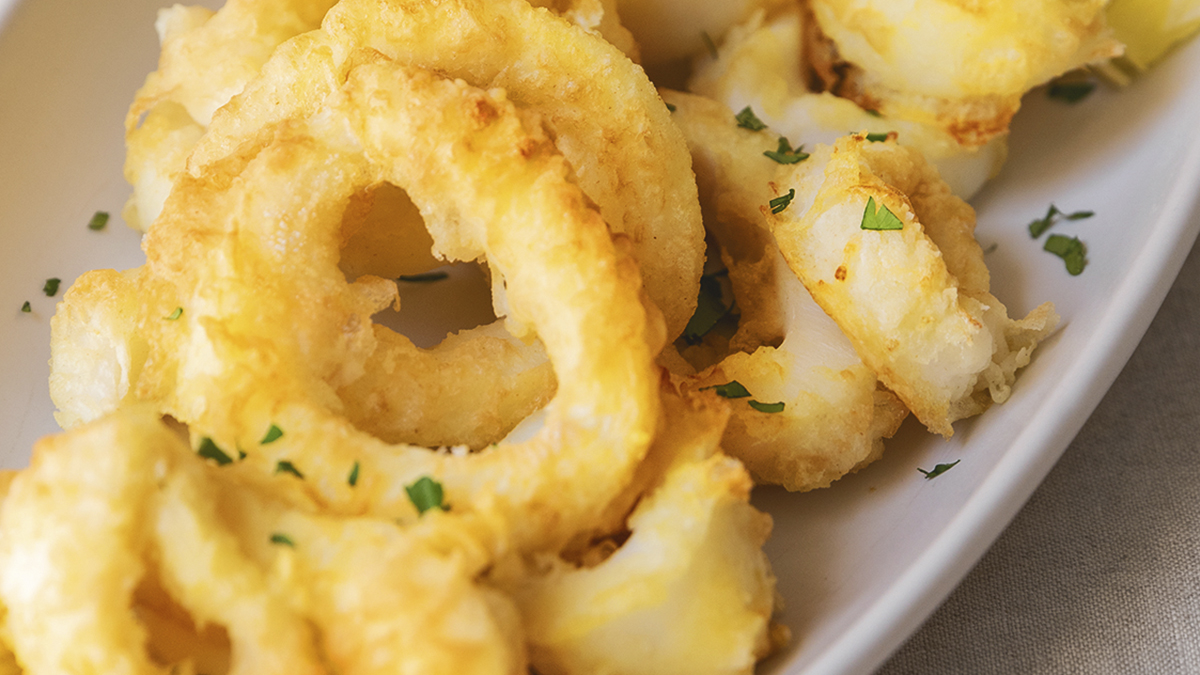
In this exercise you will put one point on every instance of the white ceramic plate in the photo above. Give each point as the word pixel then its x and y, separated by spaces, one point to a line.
pixel 860 565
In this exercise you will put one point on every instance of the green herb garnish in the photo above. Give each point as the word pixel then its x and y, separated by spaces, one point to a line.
pixel 710 309
pixel 98 221
pixel 780 203
pixel 426 494
pixel 26 307
pixel 209 450
pixel 1039 226
pixel 877 138
pixel 174 315
pixel 1070 249
pixel 273 434
pixel 51 287
pixel 785 154
pixel 873 113
pixel 731 389
pixel 670 108
pixel 938 470
pixel 1071 91
pixel 280 538
pixel 284 466
pixel 746 119
pixel 352 479
pixel 709 44
pixel 880 218
pixel 767 407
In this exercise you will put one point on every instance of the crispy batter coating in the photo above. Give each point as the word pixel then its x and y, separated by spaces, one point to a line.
pixel 914 301
pixel 786 349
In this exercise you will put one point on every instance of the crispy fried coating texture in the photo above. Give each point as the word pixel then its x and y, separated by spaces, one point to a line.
pixel 786 349
pixel 123 502
pixel 762 66
pixel 914 301
pixel 961 65
pixel 270 331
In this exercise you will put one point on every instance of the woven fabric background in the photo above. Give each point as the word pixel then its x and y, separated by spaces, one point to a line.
pixel 1100 571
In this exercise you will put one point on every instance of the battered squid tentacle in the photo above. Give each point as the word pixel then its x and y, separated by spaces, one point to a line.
pixel 785 350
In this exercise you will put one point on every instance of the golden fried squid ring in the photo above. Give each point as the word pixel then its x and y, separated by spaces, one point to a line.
pixel 761 67
pixel 960 66
pixel 913 300
pixel 268 329
pixel 120 511
pixel 605 115
pixel 207 57
pixel 786 350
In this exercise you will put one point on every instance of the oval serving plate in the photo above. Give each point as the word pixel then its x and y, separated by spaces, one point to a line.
pixel 860 564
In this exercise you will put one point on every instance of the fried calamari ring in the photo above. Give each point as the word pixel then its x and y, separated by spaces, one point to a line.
pixel 913 300
pixel 120 510
pixel 785 350
pixel 606 117
pixel 761 67
pixel 959 66
pixel 207 57
pixel 269 330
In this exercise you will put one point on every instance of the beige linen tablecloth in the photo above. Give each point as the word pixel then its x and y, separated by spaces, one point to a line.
pixel 1100 572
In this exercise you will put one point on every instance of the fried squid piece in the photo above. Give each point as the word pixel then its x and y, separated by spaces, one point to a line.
pixel 959 65
pixel 786 350
pixel 907 285
pixel 690 559
pixel 762 66
pixel 120 545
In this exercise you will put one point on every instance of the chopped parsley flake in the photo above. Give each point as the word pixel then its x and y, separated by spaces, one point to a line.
pixel 785 154
pixel 283 539
pixel 284 466
pixel 670 108
pixel 426 494
pixel 938 470
pixel 173 316
pixel 731 389
pixel 209 450
pixel 99 221
pixel 877 138
pixel 1070 91
pixel 273 434
pixel 26 307
pixel 51 287
pixel 427 277
pixel 710 308
pixel 1039 226
pixel 767 407
pixel 780 203
pixel 709 44
pixel 873 113
pixel 352 479
pixel 1070 249
pixel 746 119
pixel 880 218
